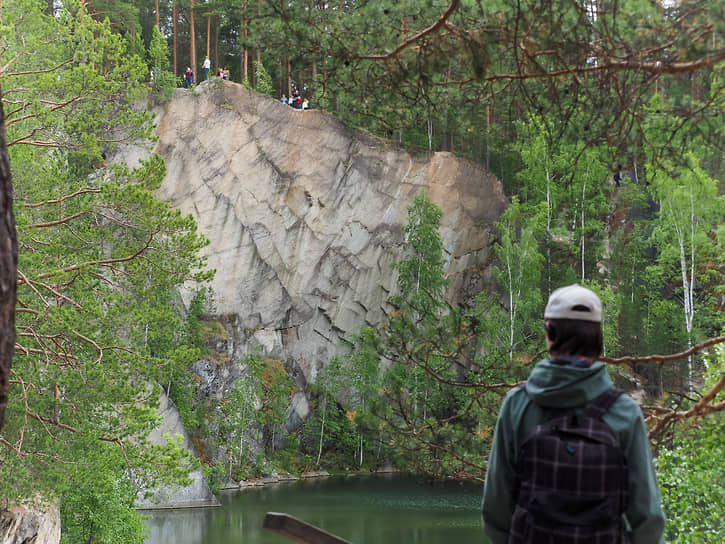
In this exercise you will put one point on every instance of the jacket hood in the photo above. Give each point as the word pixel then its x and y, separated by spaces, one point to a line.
pixel 562 386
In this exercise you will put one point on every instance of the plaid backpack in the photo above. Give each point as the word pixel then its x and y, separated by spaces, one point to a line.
pixel 572 476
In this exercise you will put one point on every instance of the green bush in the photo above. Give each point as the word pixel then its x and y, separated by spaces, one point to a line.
pixel 214 475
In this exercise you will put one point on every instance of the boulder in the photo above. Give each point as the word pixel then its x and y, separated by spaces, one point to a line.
pixel 30 524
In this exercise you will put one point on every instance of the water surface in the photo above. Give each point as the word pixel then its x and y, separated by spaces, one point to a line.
pixel 367 510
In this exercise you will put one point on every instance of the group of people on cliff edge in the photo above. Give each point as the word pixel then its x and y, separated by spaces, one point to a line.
pixel 295 100
pixel 222 73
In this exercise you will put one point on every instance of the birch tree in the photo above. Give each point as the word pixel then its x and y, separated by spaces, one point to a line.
pixel 689 216
pixel 585 202
pixel 520 267
pixel 538 178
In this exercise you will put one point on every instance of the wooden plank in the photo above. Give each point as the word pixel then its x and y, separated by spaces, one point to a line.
pixel 299 531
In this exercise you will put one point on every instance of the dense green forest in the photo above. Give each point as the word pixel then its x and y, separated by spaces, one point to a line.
pixel 603 120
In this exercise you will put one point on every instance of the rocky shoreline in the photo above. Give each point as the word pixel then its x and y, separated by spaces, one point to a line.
pixel 276 478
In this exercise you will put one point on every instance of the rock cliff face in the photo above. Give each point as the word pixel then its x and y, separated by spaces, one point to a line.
pixel 34 523
pixel 198 492
pixel 305 217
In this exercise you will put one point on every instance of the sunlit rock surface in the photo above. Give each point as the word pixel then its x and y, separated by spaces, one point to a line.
pixel 306 217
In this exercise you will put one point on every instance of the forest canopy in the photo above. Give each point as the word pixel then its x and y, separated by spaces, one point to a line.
pixel 455 75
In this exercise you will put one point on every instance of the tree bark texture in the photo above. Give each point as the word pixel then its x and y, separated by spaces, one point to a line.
pixel 192 52
pixel 8 270
pixel 245 53
pixel 175 15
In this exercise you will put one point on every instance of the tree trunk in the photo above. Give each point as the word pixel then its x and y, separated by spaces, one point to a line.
pixel 245 64
pixel 245 53
pixel 488 138
pixel 216 45
pixel 157 15
pixel 513 304
pixel 192 51
pixel 51 7
pixel 8 270
pixel 581 224
pixel 259 53
pixel 322 432
pixel 430 135
pixel 175 16
pixel 289 78
pixel 208 33
pixel 548 223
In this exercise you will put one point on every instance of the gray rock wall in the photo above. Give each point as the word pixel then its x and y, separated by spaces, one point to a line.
pixel 305 218
pixel 36 524
pixel 198 492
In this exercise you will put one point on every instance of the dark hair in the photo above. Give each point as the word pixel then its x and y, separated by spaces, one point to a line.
pixel 574 337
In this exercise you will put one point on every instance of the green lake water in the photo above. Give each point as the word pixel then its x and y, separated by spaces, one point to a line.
pixel 363 510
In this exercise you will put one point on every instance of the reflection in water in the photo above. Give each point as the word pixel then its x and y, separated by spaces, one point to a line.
pixel 389 510
pixel 188 525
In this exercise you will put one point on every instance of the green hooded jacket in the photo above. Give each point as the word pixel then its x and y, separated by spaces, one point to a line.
pixel 563 386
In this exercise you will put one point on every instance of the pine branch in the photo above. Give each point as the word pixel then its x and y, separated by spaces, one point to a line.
pixel 628 360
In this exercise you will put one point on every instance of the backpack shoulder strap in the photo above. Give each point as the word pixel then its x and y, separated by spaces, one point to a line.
pixel 601 405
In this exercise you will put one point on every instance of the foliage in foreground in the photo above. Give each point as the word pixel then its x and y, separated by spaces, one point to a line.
pixel 692 475
pixel 99 319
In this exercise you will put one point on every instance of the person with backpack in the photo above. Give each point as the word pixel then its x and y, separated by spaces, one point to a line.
pixel 570 460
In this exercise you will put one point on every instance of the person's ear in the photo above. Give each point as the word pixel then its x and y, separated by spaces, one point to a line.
pixel 550 335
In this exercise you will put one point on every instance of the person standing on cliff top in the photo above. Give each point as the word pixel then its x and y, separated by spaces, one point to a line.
pixel 569 489
pixel 207 67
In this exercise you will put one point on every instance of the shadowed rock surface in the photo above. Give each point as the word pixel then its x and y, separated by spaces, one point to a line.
pixel 198 492
pixel 26 524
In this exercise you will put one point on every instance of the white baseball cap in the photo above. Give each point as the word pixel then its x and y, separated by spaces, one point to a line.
pixel 574 302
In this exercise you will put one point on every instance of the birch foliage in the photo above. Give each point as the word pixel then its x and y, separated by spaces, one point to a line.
pixel 519 271
pixel 685 234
